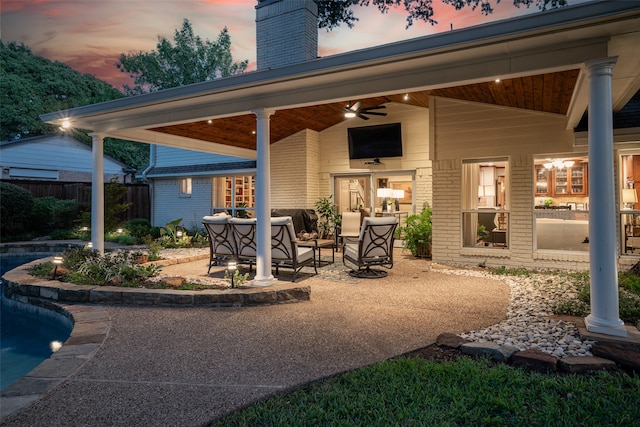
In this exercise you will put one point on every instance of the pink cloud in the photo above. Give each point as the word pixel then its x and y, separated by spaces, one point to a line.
pixel 89 35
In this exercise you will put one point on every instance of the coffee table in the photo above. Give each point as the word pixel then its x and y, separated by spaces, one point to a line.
pixel 319 244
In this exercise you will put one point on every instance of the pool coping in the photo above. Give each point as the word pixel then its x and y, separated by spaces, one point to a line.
pixel 91 326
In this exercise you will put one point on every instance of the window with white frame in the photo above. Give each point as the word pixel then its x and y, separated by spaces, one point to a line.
pixel 185 187
pixel 234 195
pixel 485 203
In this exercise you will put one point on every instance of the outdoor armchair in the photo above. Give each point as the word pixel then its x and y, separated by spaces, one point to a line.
pixel 222 244
pixel 285 251
pixel 374 247
pixel 350 228
pixel 244 233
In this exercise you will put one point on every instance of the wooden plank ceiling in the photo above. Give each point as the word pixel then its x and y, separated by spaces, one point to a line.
pixel 550 93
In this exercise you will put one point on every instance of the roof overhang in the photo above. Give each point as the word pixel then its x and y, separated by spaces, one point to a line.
pixel 539 44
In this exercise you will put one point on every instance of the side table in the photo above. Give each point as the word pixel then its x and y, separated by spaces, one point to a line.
pixel 319 244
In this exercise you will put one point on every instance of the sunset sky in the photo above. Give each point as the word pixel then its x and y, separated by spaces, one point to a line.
pixel 89 35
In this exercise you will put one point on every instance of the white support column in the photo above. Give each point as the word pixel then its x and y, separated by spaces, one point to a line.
pixel 97 193
pixel 604 317
pixel 263 199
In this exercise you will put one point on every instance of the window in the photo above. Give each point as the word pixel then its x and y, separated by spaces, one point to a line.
pixel 485 214
pixel 234 195
pixel 561 203
pixel 185 187
pixel 629 203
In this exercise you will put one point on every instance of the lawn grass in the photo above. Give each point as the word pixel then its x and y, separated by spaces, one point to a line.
pixel 417 392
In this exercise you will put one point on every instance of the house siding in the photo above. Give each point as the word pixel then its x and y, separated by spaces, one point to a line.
pixel 169 206
pixel 170 156
pixel 467 130
pixel 69 159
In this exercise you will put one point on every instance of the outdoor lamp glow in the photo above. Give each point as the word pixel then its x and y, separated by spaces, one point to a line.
pixel 57 260
pixel 231 267
pixel 179 234
pixel 385 193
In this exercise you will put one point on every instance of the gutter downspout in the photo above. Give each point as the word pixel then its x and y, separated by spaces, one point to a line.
pixel 152 164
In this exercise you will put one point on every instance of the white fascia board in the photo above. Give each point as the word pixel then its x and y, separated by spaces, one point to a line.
pixel 151 137
pixel 415 74
pixel 524 30
pixel 229 172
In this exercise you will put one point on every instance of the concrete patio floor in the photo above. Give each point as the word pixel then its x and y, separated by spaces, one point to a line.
pixel 189 365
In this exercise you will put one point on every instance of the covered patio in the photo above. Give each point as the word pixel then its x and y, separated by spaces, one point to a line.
pixel 561 62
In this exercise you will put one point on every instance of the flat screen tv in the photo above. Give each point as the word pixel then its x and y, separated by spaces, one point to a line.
pixel 370 142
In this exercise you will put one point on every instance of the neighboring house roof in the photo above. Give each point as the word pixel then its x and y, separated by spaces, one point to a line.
pixel 53 152
pixel 206 169
pixel 628 117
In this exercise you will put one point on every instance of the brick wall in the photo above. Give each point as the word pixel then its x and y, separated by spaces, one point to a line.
pixel 504 132
pixel 286 32
pixel 294 171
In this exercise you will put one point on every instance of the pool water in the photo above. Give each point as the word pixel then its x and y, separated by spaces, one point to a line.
pixel 26 337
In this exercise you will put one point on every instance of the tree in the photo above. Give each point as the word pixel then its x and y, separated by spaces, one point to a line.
pixel 332 13
pixel 31 85
pixel 187 60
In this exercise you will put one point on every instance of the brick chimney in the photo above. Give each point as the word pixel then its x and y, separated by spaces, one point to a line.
pixel 286 32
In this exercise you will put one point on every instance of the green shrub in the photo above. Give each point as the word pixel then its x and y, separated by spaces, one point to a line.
pixel 117 269
pixel 123 238
pixel 417 230
pixel 16 204
pixel 49 213
pixel 153 247
pixel 41 270
pixel 629 306
pixel 630 282
pixel 114 205
pixel 68 234
pixel 138 228
pixel 75 256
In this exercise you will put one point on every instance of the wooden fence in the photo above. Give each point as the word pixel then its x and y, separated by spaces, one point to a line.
pixel 137 194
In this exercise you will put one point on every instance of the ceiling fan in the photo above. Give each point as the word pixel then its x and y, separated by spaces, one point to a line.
pixel 354 110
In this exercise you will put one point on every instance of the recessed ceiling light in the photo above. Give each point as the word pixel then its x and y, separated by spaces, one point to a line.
pixel 406 97
pixel 497 80
pixel 253 132
pixel 209 121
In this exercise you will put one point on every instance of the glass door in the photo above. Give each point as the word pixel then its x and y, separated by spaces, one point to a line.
pixel 353 193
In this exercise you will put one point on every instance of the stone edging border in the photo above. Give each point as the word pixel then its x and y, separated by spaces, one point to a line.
pixel 19 285
pixel 607 355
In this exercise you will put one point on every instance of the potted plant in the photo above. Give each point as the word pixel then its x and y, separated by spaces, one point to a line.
pixel 139 257
pixel 417 233
pixel 329 218
pixel 482 234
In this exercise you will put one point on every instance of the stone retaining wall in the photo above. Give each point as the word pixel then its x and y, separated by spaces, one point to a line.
pixel 20 286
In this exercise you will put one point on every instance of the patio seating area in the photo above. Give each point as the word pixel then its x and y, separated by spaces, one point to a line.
pixel 235 239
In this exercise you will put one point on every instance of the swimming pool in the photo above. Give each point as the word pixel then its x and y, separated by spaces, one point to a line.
pixel 28 334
